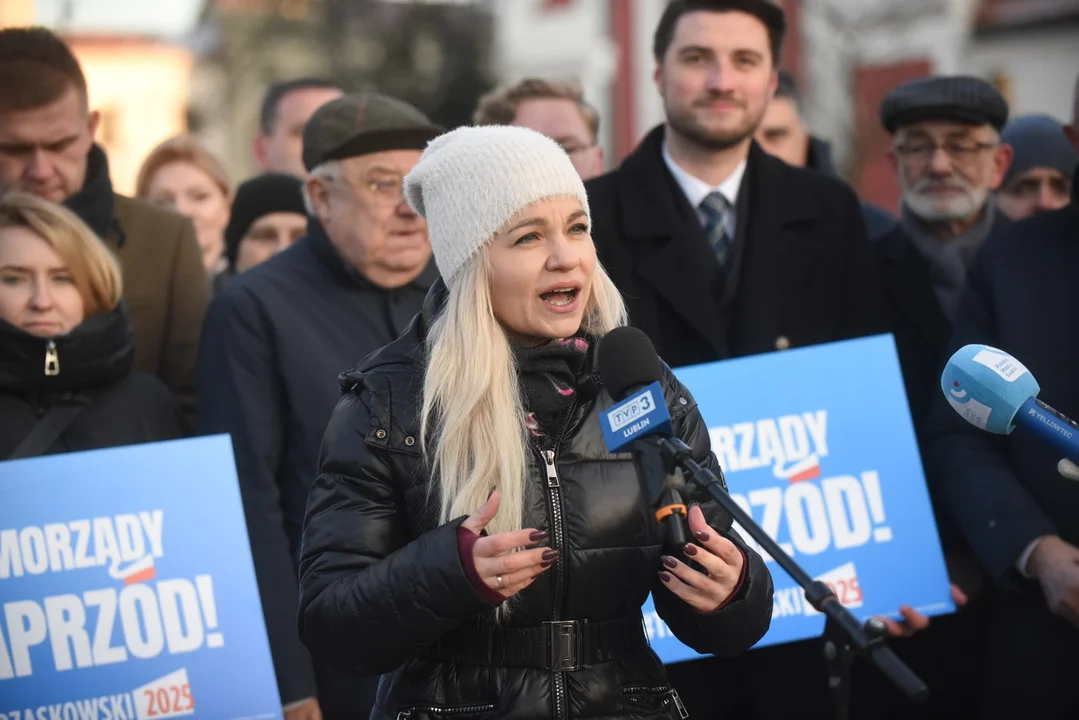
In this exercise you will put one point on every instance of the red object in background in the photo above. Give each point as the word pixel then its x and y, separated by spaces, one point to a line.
pixel 624 110
pixel 874 177
pixel 791 58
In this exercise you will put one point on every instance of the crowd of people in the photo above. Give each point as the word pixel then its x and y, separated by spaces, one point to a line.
pixel 203 307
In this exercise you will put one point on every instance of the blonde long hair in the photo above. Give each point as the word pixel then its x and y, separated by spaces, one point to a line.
pixel 473 420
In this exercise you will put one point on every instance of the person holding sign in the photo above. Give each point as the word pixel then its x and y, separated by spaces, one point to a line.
pixel 468 534
pixel 66 345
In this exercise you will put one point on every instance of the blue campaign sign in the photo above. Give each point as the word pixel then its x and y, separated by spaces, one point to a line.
pixel 818 446
pixel 127 588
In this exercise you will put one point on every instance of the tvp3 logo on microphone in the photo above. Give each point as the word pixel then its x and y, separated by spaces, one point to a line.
pixel 643 413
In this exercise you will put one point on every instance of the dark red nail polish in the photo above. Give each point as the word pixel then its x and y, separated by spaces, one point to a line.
pixel 491 493
pixel 690 549
pixel 549 555
pixel 546 565
pixel 702 536
pixel 665 577
pixel 670 562
pixel 537 536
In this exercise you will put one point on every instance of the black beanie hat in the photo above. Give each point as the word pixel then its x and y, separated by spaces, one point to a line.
pixel 259 196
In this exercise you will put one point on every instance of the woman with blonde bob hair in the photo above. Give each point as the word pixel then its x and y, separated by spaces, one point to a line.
pixel 468 534
pixel 66 346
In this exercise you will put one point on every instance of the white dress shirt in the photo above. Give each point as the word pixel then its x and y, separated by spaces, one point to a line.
pixel 696 190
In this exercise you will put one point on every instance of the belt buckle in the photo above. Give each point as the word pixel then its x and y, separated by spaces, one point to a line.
pixel 565 644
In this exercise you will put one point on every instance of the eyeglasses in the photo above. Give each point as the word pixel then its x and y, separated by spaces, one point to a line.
pixel 923 151
pixel 385 192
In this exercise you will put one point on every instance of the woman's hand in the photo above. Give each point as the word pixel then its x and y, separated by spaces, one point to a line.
pixel 721 558
pixel 504 571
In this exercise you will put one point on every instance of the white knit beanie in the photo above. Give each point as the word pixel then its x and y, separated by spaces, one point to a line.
pixel 469 182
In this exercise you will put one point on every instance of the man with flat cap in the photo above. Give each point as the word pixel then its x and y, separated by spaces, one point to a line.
pixel 948 156
pixel 1020 517
pixel 949 159
pixel 279 335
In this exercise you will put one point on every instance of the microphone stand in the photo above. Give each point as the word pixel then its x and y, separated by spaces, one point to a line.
pixel 844 636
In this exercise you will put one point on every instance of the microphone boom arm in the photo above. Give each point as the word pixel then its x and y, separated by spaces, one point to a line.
pixel 843 631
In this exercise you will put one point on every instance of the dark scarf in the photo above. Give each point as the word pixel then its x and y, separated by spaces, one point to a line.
pixel 97 353
pixel 948 259
pixel 96 203
pixel 549 377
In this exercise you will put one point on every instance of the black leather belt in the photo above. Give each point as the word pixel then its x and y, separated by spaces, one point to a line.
pixel 559 646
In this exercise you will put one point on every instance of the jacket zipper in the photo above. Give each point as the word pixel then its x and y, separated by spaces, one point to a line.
pixel 664 689
pixel 445 711
pixel 52 359
pixel 554 492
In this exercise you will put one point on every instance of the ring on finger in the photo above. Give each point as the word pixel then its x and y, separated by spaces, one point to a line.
pixel 499 580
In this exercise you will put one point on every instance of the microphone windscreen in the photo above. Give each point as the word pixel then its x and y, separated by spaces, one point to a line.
pixel 987 386
pixel 627 359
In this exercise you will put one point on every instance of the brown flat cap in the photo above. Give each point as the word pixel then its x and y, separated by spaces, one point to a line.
pixel 364 123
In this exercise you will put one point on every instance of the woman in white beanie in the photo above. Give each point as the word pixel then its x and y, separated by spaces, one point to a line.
pixel 468 534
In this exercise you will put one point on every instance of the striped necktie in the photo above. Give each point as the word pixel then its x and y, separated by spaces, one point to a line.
pixel 715 207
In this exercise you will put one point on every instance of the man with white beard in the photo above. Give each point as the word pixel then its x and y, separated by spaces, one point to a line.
pixel 949 159
pixel 948 156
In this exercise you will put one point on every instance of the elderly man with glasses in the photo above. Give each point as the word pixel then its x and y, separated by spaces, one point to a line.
pixel 949 159
pixel 278 336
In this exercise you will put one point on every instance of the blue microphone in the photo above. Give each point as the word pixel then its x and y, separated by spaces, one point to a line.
pixel 995 392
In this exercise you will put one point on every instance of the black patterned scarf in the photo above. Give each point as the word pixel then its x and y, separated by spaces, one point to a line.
pixel 549 382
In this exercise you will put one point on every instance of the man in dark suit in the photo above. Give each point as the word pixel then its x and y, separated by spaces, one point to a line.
pixel 948 158
pixel 1019 516
pixel 722 250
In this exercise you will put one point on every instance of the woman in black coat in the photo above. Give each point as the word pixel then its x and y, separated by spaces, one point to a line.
pixel 66 347
pixel 469 536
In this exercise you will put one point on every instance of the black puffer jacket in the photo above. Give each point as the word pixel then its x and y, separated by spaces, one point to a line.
pixel 383 590
pixel 92 368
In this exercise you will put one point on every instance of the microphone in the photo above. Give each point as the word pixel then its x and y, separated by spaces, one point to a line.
pixel 639 422
pixel 993 391
pixel 631 371
pixel 1068 469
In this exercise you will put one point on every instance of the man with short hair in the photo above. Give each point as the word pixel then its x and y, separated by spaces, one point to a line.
pixel 783 133
pixel 279 335
pixel 557 110
pixel 285 110
pixel 47 148
pixel 1019 516
pixel 722 250
pixel 1039 178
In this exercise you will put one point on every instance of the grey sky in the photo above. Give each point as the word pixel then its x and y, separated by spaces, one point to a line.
pixel 162 17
